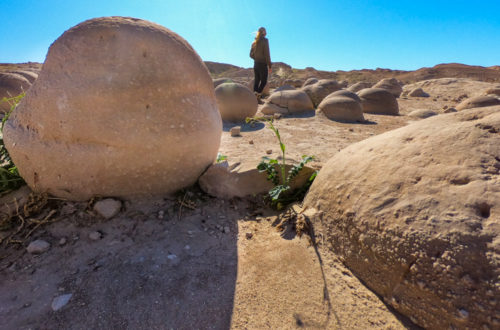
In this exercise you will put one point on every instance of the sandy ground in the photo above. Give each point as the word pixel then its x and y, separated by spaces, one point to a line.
pixel 209 263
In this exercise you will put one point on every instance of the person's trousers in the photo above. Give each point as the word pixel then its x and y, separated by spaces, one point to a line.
pixel 260 72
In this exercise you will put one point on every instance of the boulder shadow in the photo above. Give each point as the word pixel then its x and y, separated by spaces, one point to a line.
pixel 305 114
pixel 245 127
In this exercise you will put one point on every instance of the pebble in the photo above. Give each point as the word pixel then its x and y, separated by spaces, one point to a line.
pixel 277 115
pixel 269 151
pixel 108 208
pixel 171 256
pixel 227 230
pixel 250 142
pixel 60 301
pixel 249 235
pixel 63 241
pixel 235 131
pixel 161 214
pixel 95 235
pixel 38 246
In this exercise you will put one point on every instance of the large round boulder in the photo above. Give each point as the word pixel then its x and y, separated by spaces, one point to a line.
pixel 294 100
pixel 11 84
pixel 346 93
pixel 122 107
pixel 219 81
pixel 319 90
pixel 236 102
pixel 418 92
pixel 378 101
pixel 390 84
pixel 359 86
pixel 342 108
pixel 478 102
pixel 310 81
pixel 415 214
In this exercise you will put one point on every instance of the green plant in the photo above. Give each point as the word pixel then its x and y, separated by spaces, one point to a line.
pixel 280 194
pixel 221 158
pixel 9 175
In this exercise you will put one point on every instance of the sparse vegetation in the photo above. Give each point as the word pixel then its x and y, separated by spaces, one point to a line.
pixel 280 194
pixel 9 175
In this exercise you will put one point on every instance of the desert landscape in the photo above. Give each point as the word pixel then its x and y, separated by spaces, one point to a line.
pixel 144 207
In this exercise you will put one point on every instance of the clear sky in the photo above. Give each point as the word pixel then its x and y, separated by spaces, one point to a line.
pixel 327 35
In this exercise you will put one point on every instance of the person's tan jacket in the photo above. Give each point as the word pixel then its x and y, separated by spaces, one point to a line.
pixel 260 51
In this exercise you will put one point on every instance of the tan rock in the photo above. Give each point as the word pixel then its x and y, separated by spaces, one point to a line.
pixel 378 101
pixel 422 113
pixel 493 91
pixel 346 93
pixel 235 101
pixel 29 75
pixel 235 131
pixel 223 180
pixel 219 81
pixel 122 107
pixel 310 81
pixel 478 102
pixel 293 82
pixel 418 92
pixel 341 108
pixel 294 100
pixel 415 214
pixel 11 84
pixel 359 86
pixel 390 84
pixel 271 109
pixel 318 91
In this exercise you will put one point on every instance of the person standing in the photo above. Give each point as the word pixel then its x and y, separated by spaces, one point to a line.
pixel 262 61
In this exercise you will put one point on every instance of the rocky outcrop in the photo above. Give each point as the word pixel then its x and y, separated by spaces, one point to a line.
pixel 415 212
pixel 378 101
pixel 321 89
pixel 478 102
pixel 122 107
pixel 235 101
pixel 390 84
pixel 341 108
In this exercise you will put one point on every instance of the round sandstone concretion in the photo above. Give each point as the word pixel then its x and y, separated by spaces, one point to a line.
pixel 321 89
pixel 478 102
pixel 418 92
pixel 359 86
pixel 342 108
pixel 415 214
pixel 310 81
pixel 219 81
pixel 122 107
pixel 29 75
pixel 378 101
pixel 346 93
pixel 390 84
pixel 294 100
pixel 236 102
pixel 11 84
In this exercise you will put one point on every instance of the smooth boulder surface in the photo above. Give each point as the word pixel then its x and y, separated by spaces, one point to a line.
pixel 342 108
pixel 219 81
pixel 310 81
pixel 294 100
pixel 11 84
pixel 29 75
pixel 422 113
pixel 478 102
pixel 390 84
pixel 493 91
pixel 122 107
pixel 236 102
pixel 359 86
pixel 321 89
pixel 346 93
pixel 415 214
pixel 378 101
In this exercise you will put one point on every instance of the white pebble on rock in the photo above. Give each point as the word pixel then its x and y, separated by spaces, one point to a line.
pixel 60 301
pixel 95 235
pixel 108 208
pixel 38 246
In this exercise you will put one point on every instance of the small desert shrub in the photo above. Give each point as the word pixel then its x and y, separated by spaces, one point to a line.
pixel 281 194
pixel 9 175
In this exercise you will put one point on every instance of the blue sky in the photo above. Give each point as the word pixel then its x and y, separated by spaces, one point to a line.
pixel 327 35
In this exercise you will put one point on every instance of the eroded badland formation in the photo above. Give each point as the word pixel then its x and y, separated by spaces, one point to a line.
pixel 129 222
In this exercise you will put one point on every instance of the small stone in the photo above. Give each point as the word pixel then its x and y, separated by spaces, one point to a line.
pixel 95 235
pixel 108 208
pixel 463 313
pixel 250 142
pixel 161 214
pixel 227 230
pixel 60 301
pixel 269 151
pixel 171 256
pixel 235 131
pixel 63 241
pixel 249 235
pixel 187 247
pixel 38 246
pixel 277 115
pixel 449 110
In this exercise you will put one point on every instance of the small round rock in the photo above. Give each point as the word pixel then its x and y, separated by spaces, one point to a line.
pixel 38 246
pixel 108 208
pixel 95 235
